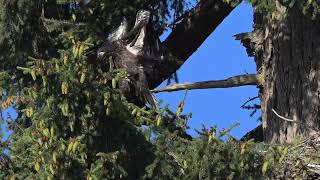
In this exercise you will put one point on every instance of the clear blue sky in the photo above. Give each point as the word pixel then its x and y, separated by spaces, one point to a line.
pixel 219 57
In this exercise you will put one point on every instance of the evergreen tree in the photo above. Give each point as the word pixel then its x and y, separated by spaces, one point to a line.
pixel 74 123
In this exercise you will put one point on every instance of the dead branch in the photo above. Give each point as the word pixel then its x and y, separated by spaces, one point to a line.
pixel 293 121
pixel 236 81
pixel 197 24
pixel 249 100
pixel 283 118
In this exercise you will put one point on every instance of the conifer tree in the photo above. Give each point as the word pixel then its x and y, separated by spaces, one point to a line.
pixel 74 123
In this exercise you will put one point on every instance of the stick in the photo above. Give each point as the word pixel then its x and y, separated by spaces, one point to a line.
pixel 235 81
pixel 283 118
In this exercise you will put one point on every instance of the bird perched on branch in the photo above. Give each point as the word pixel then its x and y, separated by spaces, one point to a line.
pixel 131 49
pixel 141 39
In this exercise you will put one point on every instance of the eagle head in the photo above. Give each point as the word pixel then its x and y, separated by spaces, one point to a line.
pixel 142 15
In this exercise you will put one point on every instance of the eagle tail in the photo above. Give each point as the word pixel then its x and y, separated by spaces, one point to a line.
pixel 143 88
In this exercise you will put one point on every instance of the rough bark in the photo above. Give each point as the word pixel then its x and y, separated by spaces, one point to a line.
pixel 286 47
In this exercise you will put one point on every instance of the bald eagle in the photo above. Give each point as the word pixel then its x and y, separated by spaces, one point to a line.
pixel 131 50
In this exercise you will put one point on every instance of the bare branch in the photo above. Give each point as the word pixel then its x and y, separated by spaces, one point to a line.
pixel 249 100
pixel 64 22
pixel 291 120
pixel 236 81
pixel 283 118
pixel 313 165
pixel 196 25
pixel 314 168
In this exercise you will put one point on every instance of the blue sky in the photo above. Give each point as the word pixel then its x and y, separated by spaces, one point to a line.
pixel 219 57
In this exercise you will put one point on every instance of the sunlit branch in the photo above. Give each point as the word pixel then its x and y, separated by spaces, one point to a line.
pixel 235 81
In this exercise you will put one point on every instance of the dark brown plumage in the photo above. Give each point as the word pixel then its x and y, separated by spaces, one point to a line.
pixel 135 51
pixel 135 86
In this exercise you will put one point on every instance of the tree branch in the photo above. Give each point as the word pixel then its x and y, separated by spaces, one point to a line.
pixel 197 26
pixel 241 80
pixel 188 35
pixel 283 118
pixel 293 121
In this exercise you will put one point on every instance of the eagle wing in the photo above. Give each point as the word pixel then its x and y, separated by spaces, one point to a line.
pixel 120 31
pixel 142 20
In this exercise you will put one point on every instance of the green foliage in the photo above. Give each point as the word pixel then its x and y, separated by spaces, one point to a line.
pixel 311 8
pixel 19 31
pixel 217 155
pixel 73 122
pixel 65 110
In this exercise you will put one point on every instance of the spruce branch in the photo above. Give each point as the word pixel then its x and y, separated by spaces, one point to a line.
pixel 65 22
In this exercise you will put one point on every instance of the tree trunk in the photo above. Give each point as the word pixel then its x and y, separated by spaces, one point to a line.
pixel 286 47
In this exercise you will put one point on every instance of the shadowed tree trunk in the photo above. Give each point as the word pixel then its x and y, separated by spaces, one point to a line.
pixel 286 47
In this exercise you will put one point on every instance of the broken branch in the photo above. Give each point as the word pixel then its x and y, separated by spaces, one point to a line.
pixel 236 81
